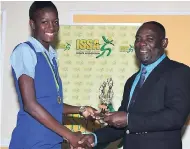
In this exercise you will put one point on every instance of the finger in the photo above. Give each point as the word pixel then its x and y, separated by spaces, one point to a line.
pixel 88 144
pixel 109 113
pixel 92 145
pixel 94 109
pixel 71 147
pixel 95 117
pixel 85 145
pixel 90 110
pixel 82 140
pixel 96 112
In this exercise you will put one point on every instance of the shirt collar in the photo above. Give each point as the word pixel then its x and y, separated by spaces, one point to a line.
pixel 150 67
pixel 39 47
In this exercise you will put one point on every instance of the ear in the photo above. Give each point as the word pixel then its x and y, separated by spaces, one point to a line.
pixel 32 24
pixel 164 43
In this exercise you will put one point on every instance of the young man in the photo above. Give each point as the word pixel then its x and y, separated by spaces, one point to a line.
pixel 39 86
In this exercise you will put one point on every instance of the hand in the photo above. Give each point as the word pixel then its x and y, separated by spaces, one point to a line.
pixel 116 119
pixel 74 138
pixel 90 112
pixel 87 140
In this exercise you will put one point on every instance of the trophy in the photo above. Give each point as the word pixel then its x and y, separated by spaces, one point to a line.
pixel 106 96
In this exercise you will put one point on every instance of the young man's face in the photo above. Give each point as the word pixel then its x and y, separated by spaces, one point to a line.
pixel 45 26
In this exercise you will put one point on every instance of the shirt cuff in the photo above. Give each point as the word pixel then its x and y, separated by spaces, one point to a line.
pixel 95 139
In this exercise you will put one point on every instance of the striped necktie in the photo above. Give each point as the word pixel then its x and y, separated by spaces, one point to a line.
pixel 138 87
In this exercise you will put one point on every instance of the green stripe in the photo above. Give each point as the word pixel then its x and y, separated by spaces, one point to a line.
pixel 57 85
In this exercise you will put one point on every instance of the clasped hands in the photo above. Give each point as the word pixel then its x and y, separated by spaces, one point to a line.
pixel 81 141
pixel 86 141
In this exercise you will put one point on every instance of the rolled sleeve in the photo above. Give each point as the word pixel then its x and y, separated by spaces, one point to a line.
pixel 23 60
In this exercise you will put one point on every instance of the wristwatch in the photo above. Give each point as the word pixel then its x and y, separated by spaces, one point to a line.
pixel 82 109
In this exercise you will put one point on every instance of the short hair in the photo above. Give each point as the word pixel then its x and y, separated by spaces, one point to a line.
pixel 159 25
pixel 37 5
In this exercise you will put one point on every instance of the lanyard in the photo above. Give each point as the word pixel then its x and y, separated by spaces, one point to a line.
pixel 54 75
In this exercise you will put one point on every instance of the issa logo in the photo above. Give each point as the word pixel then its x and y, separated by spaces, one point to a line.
pixel 93 46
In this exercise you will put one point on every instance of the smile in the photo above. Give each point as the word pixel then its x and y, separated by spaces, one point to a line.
pixel 50 34
pixel 143 51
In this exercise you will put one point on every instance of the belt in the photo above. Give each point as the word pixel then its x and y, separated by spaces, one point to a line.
pixel 136 133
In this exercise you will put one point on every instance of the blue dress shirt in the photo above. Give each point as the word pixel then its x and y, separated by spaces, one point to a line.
pixel 149 69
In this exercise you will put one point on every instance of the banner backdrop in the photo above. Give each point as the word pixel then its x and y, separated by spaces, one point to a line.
pixel 88 57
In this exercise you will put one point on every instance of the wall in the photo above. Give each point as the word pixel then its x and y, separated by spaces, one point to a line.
pixel 177 31
pixel 17 31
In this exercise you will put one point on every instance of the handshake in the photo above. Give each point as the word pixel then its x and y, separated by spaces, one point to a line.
pixel 81 141
pixel 86 141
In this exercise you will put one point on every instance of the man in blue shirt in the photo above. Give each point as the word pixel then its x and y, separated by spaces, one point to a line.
pixel 156 99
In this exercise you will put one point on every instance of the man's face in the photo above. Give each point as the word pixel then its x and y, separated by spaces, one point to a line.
pixel 149 44
pixel 45 26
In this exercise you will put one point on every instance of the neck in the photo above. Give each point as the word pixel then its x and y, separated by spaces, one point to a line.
pixel 44 44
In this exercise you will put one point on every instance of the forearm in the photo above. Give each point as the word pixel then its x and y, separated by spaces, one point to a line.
pixel 45 118
pixel 68 109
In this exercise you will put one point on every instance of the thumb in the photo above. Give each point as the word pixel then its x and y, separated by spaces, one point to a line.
pixel 96 112
pixel 109 113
